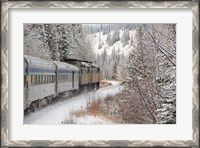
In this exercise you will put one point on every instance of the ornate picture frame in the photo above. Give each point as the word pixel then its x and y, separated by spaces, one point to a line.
pixel 6 5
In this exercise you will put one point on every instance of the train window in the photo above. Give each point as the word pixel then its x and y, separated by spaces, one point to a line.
pixel 34 79
pixel 49 78
pixel 40 76
pixel 31 79
pixel 35 82
pixel 38 79
pixel 39 82
pixel 41 79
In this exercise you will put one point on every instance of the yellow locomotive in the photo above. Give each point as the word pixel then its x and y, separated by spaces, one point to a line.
pixel 89 74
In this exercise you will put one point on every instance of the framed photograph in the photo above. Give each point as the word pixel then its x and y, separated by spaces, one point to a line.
pixel 100 73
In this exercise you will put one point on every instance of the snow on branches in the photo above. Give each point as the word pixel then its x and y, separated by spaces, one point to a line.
pixel 56 41
pixel 152 70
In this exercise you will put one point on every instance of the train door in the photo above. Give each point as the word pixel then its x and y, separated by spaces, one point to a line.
pixel 73 79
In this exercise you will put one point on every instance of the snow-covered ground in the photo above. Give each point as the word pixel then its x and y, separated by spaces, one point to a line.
pixel 61 110
pixel 89 119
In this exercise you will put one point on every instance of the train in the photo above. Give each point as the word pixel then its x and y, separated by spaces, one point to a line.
pixel 47 81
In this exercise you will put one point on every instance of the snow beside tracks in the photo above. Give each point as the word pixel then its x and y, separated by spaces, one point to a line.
pixel 61 110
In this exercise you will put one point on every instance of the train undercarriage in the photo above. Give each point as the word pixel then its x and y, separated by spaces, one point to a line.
pixel 40 103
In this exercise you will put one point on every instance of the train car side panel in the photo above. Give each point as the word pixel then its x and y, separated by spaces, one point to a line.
pixel 39 80
pixel 41 91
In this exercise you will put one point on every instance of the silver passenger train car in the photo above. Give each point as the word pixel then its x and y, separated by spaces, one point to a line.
pixel 45 81
pixel 67 77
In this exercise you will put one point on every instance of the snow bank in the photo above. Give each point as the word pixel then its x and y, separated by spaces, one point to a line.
pixel 91 120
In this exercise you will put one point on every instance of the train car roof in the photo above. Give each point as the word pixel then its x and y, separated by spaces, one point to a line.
pixel 85 63
pixel 95 65
pixel 62 65
pixel 82 62
pixel 33 62
pixel 77 60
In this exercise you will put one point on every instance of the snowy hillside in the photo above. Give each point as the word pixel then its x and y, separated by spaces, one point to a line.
pixel 112 49
pixel 99 43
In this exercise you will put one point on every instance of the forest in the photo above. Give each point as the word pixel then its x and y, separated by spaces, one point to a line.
pixel 142 56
